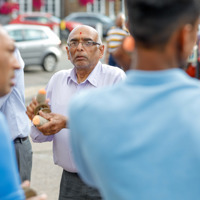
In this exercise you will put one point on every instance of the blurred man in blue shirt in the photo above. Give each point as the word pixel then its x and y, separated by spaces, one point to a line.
pixel 140 139
pixel 10 182
pixel 10 188
pixel 13 107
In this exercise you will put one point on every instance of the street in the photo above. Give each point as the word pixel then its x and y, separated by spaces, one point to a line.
pixel 45 175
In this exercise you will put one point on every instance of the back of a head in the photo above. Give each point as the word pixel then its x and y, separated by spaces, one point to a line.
pixel 120 20
pixel 152 22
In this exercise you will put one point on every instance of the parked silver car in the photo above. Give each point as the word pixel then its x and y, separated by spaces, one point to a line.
pixel 38 45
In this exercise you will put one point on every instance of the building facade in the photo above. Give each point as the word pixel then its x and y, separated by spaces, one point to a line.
pixel 51 6
pixel 62 8
pixel 107 7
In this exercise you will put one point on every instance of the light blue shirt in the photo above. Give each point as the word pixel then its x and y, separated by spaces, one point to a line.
pixel 10 188
pixel 60 89
pixel 13 105
pixel 140 139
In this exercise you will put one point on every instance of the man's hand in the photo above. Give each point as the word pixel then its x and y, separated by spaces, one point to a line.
pixel 31 108
pixel 26 185
pixel 39 197
pixel 55 124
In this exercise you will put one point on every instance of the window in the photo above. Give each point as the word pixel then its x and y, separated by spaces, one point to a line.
pixel 30 18
pixel 24 5
pixel 98 6
pixel 31 34
pixel 94 20
pixel 79 18
pixel 43 20
pixel 16 35
pixel 51 6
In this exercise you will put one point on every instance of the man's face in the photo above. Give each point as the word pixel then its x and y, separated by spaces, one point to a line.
pixel 82 56
pixel 8 63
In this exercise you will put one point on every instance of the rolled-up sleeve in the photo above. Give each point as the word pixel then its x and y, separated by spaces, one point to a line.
pixel 39 137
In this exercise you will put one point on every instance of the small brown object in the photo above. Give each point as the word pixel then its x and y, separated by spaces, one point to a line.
pixel 43 107
pixel 41 96
pixel 29 192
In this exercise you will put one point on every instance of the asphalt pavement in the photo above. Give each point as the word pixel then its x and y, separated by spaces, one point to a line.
pixel 45 175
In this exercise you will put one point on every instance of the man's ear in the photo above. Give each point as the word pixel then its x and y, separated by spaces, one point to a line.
pixel 187 39
pixel 68 53
pixel 101 49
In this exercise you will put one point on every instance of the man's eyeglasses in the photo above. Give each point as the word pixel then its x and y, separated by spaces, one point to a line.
pixel 74 44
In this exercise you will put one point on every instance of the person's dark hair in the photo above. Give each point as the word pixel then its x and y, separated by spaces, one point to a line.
pixel 151 22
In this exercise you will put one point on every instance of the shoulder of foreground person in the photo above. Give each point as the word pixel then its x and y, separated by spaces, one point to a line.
pixel 98 99
pixel 88 110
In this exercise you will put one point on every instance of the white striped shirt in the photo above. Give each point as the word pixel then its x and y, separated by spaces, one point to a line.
pixel 114 38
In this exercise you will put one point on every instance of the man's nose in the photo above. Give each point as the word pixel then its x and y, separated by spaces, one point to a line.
pixel 80 46
pixel 16 64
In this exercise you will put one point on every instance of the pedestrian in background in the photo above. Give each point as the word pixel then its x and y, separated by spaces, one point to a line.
pixel 85 49
pixel 114 39
pixel 140 139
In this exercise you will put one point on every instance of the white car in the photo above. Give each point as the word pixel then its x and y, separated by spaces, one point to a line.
pixel 38 45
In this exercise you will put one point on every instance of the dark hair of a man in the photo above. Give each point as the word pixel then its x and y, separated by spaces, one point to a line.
pixel 152 22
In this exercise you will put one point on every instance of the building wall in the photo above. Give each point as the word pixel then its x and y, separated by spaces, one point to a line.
pixel 74 6
pixel 51 6
pixel 62 8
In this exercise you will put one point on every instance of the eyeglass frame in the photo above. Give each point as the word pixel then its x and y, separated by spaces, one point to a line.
pixel 86 40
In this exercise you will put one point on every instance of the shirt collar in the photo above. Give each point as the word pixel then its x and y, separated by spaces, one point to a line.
pixel 155 77
pixel 93 78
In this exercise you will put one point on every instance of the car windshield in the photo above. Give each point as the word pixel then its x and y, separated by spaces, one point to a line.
pixel 55 19
pixel 106 19
pixel 81 17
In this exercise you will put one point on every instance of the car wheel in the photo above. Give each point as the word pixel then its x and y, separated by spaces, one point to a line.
pixel 49 63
